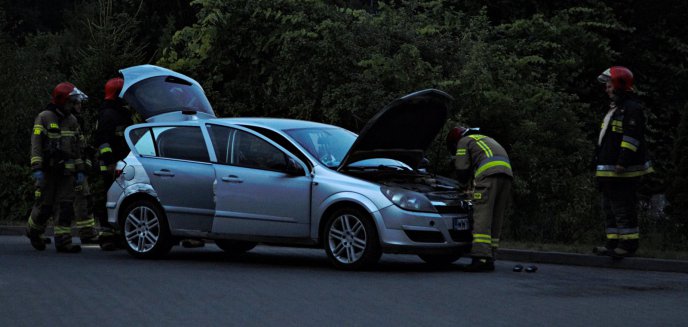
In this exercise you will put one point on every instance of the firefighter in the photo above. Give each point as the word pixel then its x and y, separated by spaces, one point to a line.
pixel 620 160
pixel 482 166
pixel 57 167
pixel 114 117
pixel 83 201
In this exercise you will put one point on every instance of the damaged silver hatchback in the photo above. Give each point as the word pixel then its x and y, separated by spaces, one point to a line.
pixel 244 181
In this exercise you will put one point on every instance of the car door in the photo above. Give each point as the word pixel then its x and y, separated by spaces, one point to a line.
pixel 254 193
pixel 177 162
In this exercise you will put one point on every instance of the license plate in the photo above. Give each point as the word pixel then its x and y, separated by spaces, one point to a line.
pixel 461 224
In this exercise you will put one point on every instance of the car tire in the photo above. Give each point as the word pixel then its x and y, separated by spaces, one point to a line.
pixel 351 240
pixel 145 230
pixel 235 247
pixel 443 259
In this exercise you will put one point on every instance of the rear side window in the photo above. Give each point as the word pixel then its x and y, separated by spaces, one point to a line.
pixel 181 142
pixel 143 141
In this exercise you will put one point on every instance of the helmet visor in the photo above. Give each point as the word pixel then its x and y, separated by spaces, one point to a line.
pixel 605 77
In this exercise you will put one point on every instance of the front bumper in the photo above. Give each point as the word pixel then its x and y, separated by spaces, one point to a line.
pixel 403 231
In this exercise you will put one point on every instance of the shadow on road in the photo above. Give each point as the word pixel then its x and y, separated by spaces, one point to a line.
pixel 299 258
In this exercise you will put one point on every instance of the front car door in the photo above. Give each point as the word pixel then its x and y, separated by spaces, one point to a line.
pixel 254 193
pixel 177 162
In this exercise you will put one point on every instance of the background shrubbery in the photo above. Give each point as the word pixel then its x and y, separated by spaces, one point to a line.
pixel 522 70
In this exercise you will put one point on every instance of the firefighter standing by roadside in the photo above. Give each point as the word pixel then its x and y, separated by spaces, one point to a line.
pixel 83 201
pixel 57 167
pixel 114 117
pixel 483 165
pixel 620 160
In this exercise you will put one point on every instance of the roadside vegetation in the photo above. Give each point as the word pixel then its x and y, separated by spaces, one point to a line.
pixel 524 71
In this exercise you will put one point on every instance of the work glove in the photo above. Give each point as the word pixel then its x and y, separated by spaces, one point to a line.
pixel 38 177
pixel 80 178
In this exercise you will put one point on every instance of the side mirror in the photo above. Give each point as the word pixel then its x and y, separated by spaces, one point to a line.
pixel 293 168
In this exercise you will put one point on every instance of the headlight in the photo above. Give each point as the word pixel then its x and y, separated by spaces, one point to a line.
pixel 408 200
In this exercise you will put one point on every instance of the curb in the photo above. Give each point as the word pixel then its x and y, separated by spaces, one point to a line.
pixel 559 258
pixel 576 259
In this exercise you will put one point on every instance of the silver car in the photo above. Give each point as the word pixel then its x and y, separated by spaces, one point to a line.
pixel 244 181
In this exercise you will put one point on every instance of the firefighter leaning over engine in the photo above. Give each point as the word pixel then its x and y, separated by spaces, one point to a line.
pixel 57 167
pixel 620 160
pixel 114 117
pixel 482 166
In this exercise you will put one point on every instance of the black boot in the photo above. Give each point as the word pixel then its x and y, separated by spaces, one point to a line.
pixel 607 249
pixel 37 241
pixel 602 250
pixel 480 265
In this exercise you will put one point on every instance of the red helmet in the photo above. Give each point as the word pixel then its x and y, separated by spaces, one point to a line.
pixel 64 91
pixel 621 78
pixel 112 88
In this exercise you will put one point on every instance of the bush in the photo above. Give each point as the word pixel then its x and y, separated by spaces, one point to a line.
pixel 16 192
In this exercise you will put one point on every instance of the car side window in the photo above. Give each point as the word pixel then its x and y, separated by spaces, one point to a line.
pixel 143 141
pixel 253 152
pixel 181 142
pixel 220 136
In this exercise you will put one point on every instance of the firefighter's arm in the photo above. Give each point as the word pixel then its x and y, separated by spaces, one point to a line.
pixel 78 151
pixel 103 137
pixel 38 133
pixel 633 128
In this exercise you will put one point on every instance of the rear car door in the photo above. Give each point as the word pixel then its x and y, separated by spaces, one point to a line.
pixel 254 193
pixel 177 161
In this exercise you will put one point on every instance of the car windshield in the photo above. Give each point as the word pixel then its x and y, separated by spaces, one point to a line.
pixel 162 94
pixel 328 145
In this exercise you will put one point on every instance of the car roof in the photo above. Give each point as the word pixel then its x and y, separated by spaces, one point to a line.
pixel 272 123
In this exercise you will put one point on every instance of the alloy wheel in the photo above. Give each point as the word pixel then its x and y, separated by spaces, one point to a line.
pixel 142 229
pixel 347 238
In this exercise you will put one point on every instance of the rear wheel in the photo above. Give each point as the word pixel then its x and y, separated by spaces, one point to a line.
pixel 351 239
pixel 235 247
pixel 440 259
pixel 145 230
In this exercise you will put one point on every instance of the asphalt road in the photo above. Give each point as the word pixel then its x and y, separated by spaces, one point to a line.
pixel 273 286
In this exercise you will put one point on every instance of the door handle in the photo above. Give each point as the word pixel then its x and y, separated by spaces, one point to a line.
pixel 232 179
pixel 163 172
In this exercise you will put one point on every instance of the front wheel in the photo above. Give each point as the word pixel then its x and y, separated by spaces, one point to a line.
pixel 351 240
pixel 145 230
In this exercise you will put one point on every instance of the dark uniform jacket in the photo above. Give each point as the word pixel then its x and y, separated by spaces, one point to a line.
pixel 55 142
pixel 623 142
pixel 478 156
pixel 113 119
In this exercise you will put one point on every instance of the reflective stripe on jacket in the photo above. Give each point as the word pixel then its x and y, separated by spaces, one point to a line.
pixel 623 142
pixel 480 156
pixel 55 141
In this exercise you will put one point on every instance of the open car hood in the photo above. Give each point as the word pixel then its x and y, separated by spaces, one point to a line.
pixel 153 90
pixel 403 130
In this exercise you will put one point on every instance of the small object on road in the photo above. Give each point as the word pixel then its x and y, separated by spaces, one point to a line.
pixel 518 268
pixel 531 269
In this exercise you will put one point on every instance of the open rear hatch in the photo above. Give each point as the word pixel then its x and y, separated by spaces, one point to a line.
pixel 155 91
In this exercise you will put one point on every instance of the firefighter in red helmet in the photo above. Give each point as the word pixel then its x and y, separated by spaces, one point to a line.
pixel 483 167
pixel 620 161
pixel 57 167
pixel 114 117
